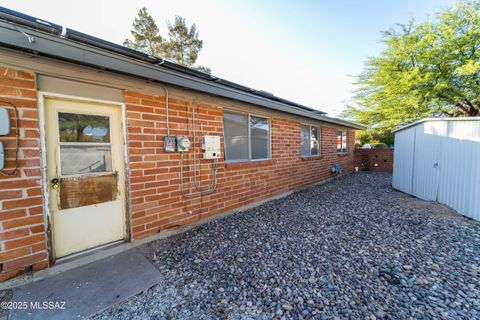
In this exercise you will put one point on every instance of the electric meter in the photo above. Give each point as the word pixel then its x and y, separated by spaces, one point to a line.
pixel 183 143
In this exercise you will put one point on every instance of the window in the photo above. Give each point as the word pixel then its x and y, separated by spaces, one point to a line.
pixel 84 143
pixel 247 137
pixel 342 145
pixel 236 136
pixel 310 145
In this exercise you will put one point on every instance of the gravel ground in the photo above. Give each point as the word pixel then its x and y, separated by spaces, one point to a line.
pixel 351 249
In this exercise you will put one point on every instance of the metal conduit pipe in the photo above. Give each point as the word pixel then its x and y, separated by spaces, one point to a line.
pixel 166 109
pixel 196 185
pixel 202 193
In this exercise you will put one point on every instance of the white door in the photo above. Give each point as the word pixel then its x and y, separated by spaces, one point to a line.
pixel 403 155
pixel 85 172
pixel 426 170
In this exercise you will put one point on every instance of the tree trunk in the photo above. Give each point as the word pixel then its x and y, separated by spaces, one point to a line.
pixel 80 133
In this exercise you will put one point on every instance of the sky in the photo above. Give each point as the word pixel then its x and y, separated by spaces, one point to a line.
pixel 305 51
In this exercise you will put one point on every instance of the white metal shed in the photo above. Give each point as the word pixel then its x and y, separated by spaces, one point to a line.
pixel 438 159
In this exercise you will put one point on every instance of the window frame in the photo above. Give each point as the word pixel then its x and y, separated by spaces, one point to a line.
pixel 341 141
pixel 310 126
pixel 249 115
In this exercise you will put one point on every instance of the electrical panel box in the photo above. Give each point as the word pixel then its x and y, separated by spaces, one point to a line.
pixel 2 157
pixel 211 147
pixel 4 122
pixel 183 144
pixel 170 144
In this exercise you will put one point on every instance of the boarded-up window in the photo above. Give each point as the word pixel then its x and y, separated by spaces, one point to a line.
pixel 87 190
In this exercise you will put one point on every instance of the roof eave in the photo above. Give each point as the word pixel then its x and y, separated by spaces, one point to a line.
pixel 51 45
pixel 435 119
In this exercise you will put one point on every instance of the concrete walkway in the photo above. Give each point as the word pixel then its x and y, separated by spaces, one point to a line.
pixel 83 291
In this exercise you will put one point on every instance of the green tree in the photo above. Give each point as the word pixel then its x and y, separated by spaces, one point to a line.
pixel 146 36
pixel 83 128
pixel 426 69
pixel 184 44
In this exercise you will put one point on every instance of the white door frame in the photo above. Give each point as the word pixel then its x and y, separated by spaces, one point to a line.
pixel 41 97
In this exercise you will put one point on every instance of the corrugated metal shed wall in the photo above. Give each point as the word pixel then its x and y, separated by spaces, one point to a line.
pixel 459 186
pixel 445 165
pixel 426 160
pixel 403 160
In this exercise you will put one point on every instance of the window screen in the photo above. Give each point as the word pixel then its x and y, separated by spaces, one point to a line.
pixel 236 136
pixel 305 144
pixel 259 137
pixel 79 159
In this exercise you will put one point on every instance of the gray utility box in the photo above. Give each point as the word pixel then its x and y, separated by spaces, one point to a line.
pixel 4 122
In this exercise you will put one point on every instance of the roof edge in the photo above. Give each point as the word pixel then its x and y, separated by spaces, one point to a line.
pixel 343 122
pixel 435 119
pixel 49 43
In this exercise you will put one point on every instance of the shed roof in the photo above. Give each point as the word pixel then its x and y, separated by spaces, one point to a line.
pixel 26 33
pixel 435 119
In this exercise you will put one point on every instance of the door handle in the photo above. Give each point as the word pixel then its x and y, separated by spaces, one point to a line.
pixel 55 183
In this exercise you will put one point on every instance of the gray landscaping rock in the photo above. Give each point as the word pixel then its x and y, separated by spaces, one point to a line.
pixel 352 248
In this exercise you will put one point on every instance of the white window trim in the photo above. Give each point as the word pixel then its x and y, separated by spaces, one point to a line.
pixel 248 138
pixel 346 142
pixel 309 140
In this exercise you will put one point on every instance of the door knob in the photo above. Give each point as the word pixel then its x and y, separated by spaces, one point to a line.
pixel 55 183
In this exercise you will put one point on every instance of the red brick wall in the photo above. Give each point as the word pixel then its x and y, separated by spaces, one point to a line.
pixel 380 160
pixel 157 202
pixel 155 197
pixel 22 232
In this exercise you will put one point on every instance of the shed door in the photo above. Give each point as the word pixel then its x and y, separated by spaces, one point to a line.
pixel 426 171
pixel 403 156
pixel 85 172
